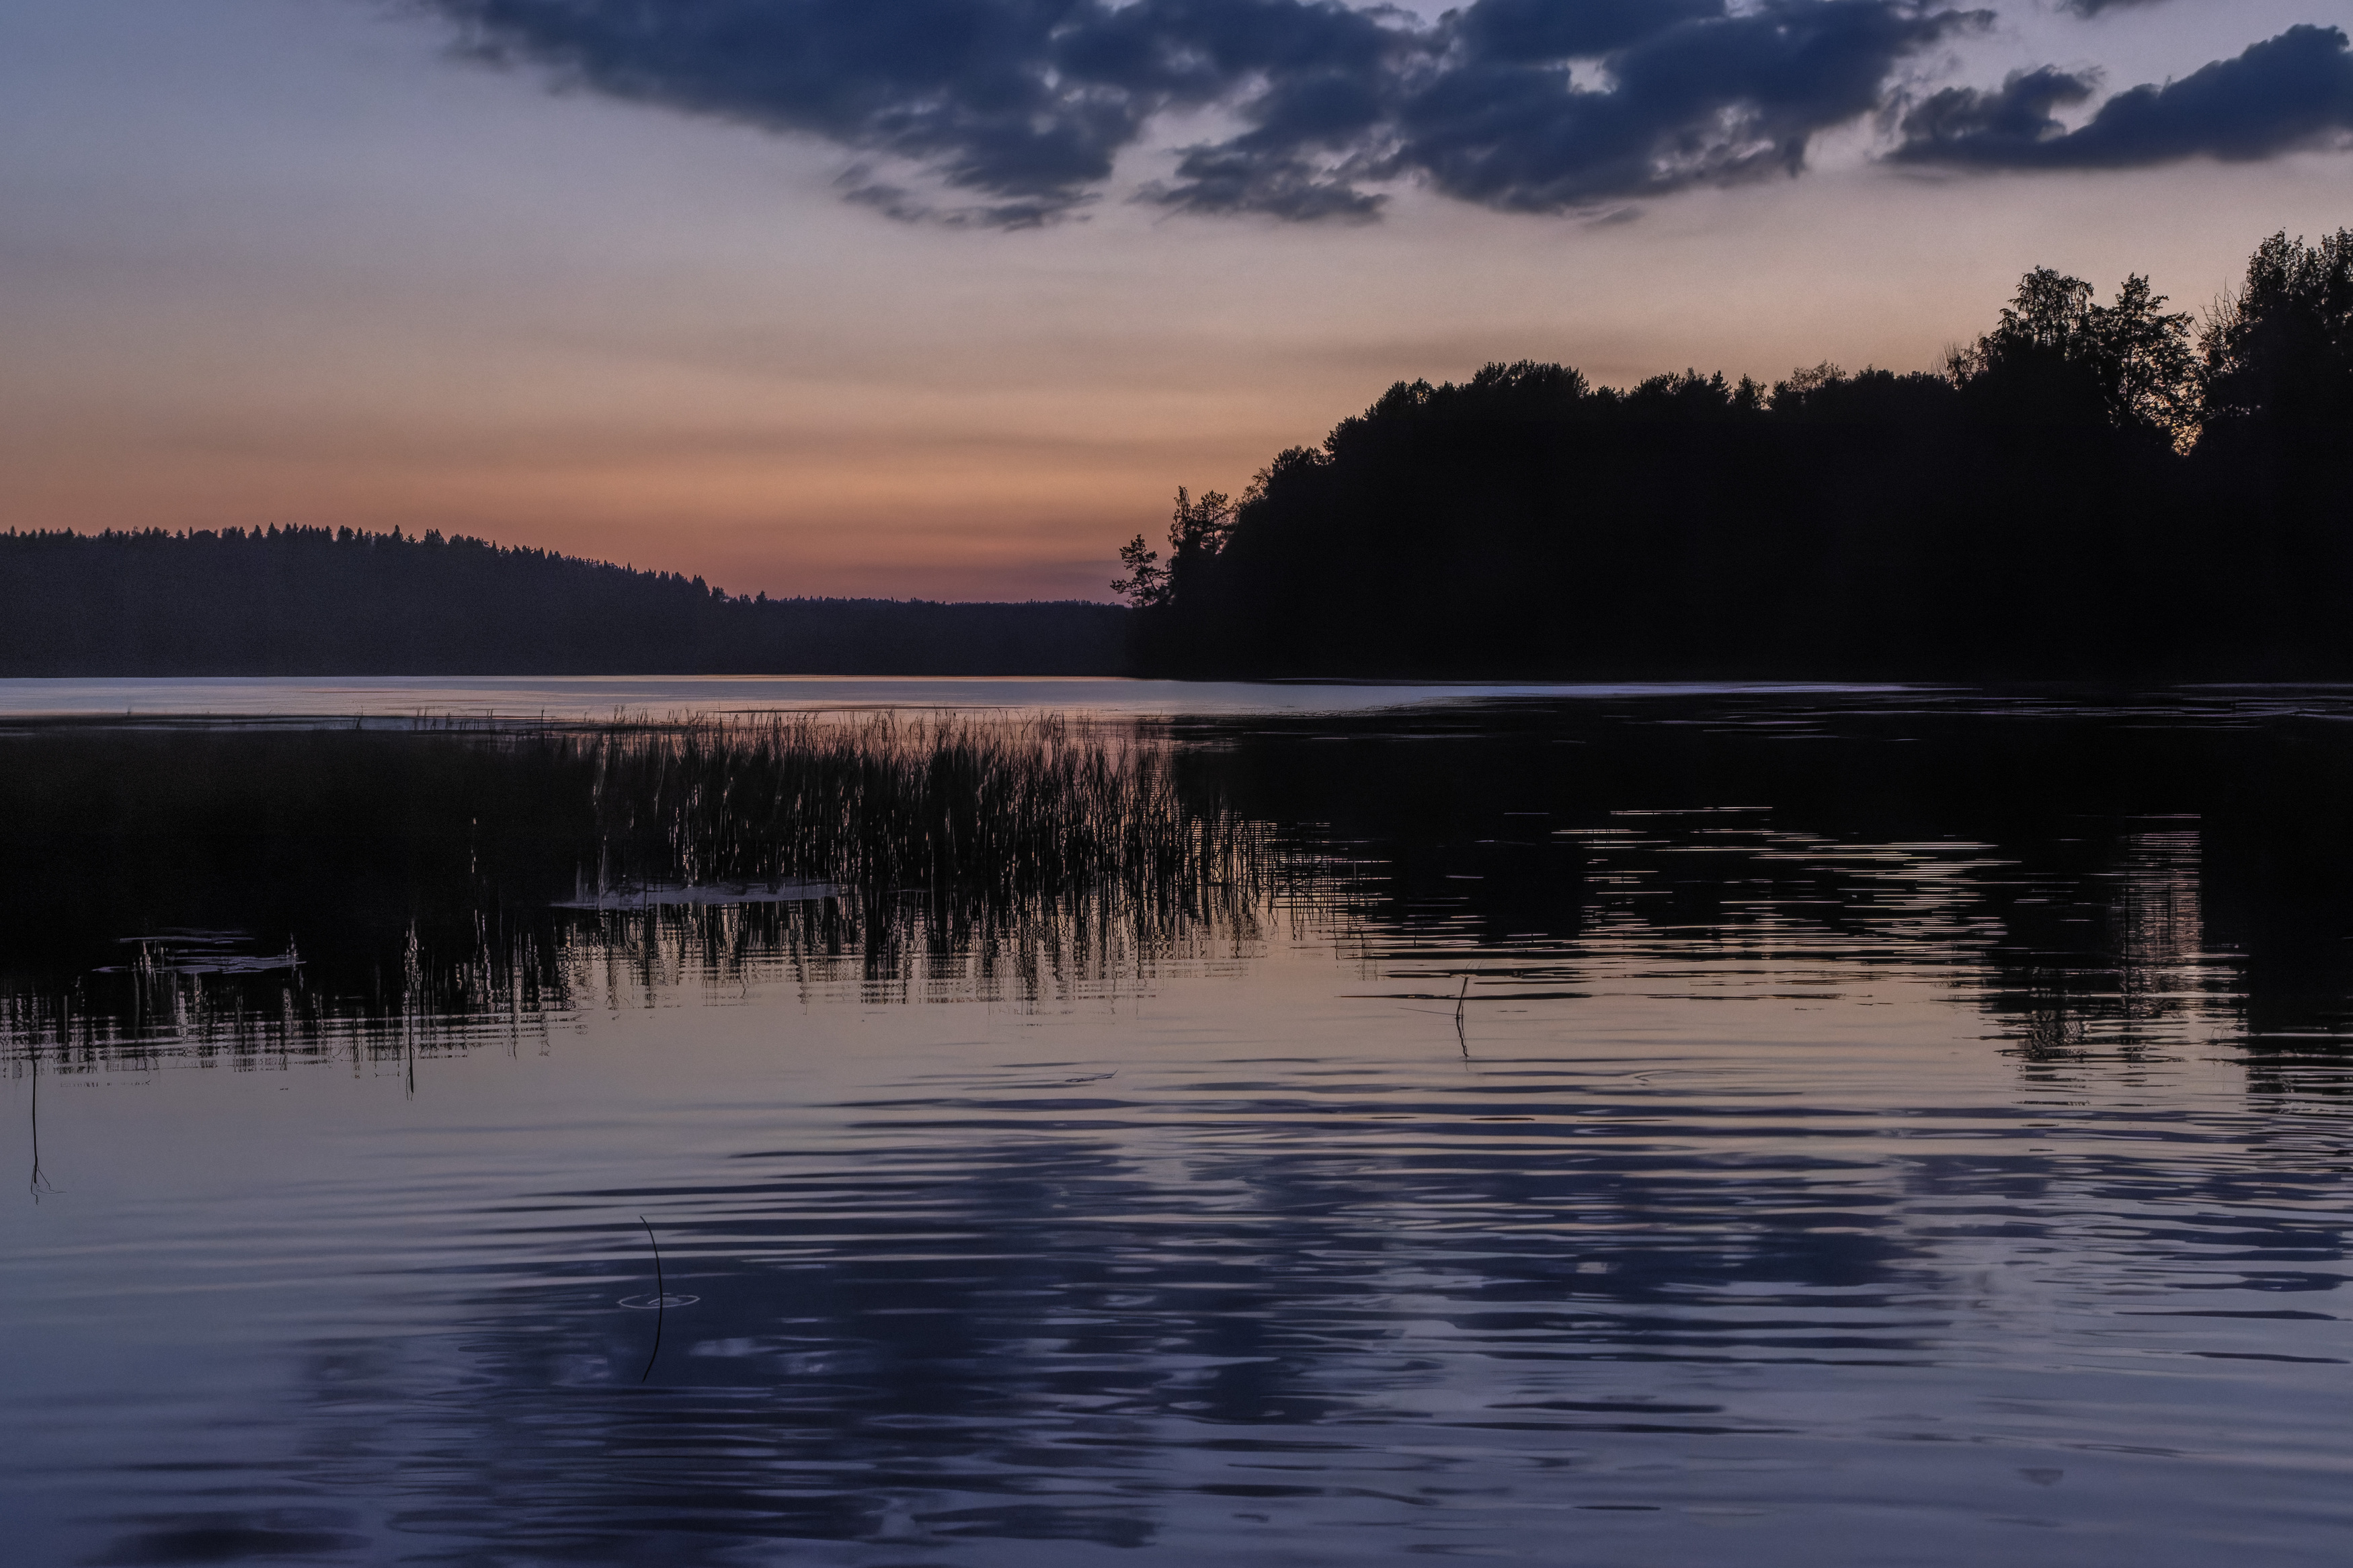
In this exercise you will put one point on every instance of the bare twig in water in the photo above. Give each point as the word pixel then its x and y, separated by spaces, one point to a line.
pixel 40 1183
pixel 1460 1037
pixel 661 1300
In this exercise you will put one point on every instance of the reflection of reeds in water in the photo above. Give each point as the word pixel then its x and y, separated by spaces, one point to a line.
pixel 972 856
pixel 992 857
pixel 1017 858
pixel 2138 972
pixel 2159 936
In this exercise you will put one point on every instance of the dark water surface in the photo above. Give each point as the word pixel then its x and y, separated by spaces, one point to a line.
pixel 1744 1128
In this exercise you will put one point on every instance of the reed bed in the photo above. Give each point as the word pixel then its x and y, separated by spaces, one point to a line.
pixel 906 857
pixel 1006 806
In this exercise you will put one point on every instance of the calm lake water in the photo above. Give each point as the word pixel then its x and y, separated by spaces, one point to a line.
pixel 598 698
pixel 1646 1128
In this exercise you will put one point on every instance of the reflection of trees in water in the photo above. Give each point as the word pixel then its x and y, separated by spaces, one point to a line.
pixel 2099 876
pixel 1036 860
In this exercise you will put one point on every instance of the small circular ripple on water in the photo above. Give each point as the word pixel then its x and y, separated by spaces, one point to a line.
pixel 648 1303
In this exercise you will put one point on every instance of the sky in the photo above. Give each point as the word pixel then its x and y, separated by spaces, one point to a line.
pixel 945 298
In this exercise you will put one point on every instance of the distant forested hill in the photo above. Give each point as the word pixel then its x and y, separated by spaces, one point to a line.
pixel 309 601
pixel 2090 491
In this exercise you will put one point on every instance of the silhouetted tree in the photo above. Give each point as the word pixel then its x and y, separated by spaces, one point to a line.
pixel 1197 532
pixel 2058 503
pixel 2279 350
pixel 1145 586
pixel 2277 382
pixel 2058 358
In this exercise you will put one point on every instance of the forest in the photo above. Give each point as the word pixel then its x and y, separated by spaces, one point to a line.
pixel 311 601
pixel 2088 491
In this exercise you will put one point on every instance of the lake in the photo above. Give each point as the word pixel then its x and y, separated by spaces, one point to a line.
pixel 987 1123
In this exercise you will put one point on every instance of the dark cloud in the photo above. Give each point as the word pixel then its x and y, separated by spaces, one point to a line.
pixel 2294 91
pixel 2018 115
pixel 1531 32
pixel 1023 102
pixel 1014 111
pixel 1708 98
pixel 2094 8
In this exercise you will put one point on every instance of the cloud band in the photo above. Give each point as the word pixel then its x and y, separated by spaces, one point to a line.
pixel 1018 109
pixel 2294 91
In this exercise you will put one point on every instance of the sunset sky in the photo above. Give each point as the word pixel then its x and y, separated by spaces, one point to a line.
pixel 943 298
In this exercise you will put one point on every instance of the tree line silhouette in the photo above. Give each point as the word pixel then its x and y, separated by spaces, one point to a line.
pixel 312 601
pixel 2087 491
